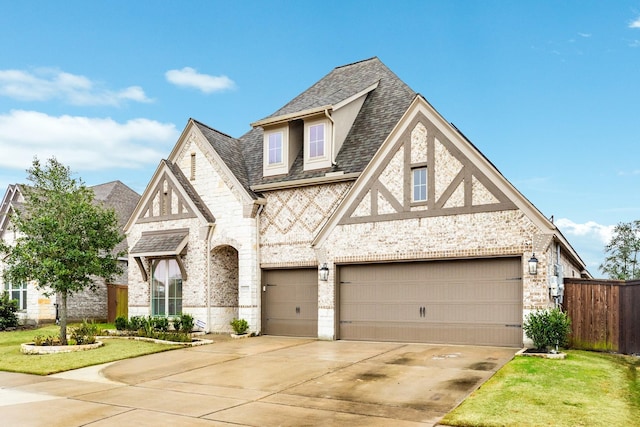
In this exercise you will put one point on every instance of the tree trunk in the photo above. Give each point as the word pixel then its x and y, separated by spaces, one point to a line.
pixel 63 318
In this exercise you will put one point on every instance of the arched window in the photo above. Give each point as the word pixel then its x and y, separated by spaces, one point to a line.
pixel 166 287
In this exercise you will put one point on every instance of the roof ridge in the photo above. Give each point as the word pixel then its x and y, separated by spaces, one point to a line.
pixel 212 129
pixel 358 62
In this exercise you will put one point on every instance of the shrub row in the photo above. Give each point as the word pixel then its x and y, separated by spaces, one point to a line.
pixel 157 327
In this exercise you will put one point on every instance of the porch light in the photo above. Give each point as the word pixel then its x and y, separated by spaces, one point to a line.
pixel 324 272
pixel 533 265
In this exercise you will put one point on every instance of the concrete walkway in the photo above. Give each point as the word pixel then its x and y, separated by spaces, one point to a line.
pixel 262 381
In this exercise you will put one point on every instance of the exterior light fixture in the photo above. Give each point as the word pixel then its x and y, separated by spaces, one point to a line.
pixel 533 265
pixel 324 272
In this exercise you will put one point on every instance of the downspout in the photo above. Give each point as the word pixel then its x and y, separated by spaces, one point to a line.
pixel 211 226
pixel 258 271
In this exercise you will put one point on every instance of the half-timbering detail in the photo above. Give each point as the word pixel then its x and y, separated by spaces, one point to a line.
pixel 165 203
pixel 454 185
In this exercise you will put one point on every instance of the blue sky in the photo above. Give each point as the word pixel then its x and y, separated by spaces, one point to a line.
pixel 549 91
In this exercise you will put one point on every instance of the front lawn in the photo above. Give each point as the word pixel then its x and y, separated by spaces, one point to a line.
pixel 585 389
pixel 11 359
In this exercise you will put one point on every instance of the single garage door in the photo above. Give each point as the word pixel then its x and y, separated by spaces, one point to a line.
pixel 290 302
pixel 455 302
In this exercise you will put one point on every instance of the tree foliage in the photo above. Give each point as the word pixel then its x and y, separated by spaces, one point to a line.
pixel 65 240
pixel 621 261
pixel 548 328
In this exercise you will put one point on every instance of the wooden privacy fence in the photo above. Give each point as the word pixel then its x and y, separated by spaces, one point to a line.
pixel 605 314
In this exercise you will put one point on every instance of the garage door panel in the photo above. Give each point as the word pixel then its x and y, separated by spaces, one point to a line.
pixel 290 302
pixel 466 301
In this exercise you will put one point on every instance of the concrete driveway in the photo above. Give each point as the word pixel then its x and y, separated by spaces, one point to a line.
pixel 262 381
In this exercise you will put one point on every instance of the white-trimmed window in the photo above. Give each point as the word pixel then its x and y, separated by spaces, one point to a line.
pixel 317 144
pixel 18 293
pixel 166 287
pixel 316 140
pixel 274 142
pixel 276 154
pixel 419 184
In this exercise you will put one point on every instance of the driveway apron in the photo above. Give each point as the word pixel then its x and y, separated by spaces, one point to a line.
pixel 262 381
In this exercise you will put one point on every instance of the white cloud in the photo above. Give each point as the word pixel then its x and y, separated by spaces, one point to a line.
pixel 45 84
pixel 189 77
pixel 635 23
pixel 584 35
pixel 83 143
pixel 591 229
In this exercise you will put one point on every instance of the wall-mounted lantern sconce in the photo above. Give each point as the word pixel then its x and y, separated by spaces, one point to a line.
pixel 533 265
pixel 324 272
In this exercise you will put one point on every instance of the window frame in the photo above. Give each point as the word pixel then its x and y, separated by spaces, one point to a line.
pixel 280 149
pixel 422 186
pixel 282 166
pixel 170 305
pixel 323 160
pixel 21 291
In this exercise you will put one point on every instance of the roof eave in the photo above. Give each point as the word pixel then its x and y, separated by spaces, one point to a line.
pixel 270 121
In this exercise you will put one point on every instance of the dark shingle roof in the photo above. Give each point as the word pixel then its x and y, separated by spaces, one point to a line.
pixel 382 109
pixel 230 151
pixel 122 199
pixel 161 243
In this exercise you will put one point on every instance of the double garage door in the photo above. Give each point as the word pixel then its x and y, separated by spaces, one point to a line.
pixel 454 302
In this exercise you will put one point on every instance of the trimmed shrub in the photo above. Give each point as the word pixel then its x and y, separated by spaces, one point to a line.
pixel 548 328
pixel 187 323
pixel 239 326
pixel 136 323
pixel 85 333
pixel 159 323
pixel 122 324
pixel 8 309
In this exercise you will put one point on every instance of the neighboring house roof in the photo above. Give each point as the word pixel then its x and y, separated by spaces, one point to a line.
pixel 12 200
pixel 122 199
pixel 113 194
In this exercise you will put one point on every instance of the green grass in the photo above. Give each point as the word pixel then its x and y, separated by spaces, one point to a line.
pixel 11 359
pixel 585 389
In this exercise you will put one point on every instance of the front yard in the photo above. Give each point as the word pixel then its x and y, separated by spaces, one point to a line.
pixel 585 389
pixel 11 359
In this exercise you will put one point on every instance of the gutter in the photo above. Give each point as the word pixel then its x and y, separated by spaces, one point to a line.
pixel 328 178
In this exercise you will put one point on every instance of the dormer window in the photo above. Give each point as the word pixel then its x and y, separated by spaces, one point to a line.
pixel 279 150
pixel 317 143
pixel 275 148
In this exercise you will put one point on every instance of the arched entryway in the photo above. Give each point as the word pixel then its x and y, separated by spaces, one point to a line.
pixel 223 297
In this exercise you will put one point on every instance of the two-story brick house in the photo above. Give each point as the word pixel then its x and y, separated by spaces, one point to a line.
pixel 353 212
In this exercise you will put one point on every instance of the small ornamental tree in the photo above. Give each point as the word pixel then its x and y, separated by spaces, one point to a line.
pixel 65 240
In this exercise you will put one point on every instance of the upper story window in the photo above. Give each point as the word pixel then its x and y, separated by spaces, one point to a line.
pixel 419 184
pixel 316 140
pixel 317 143
pixel 277 152
pixel 275 148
